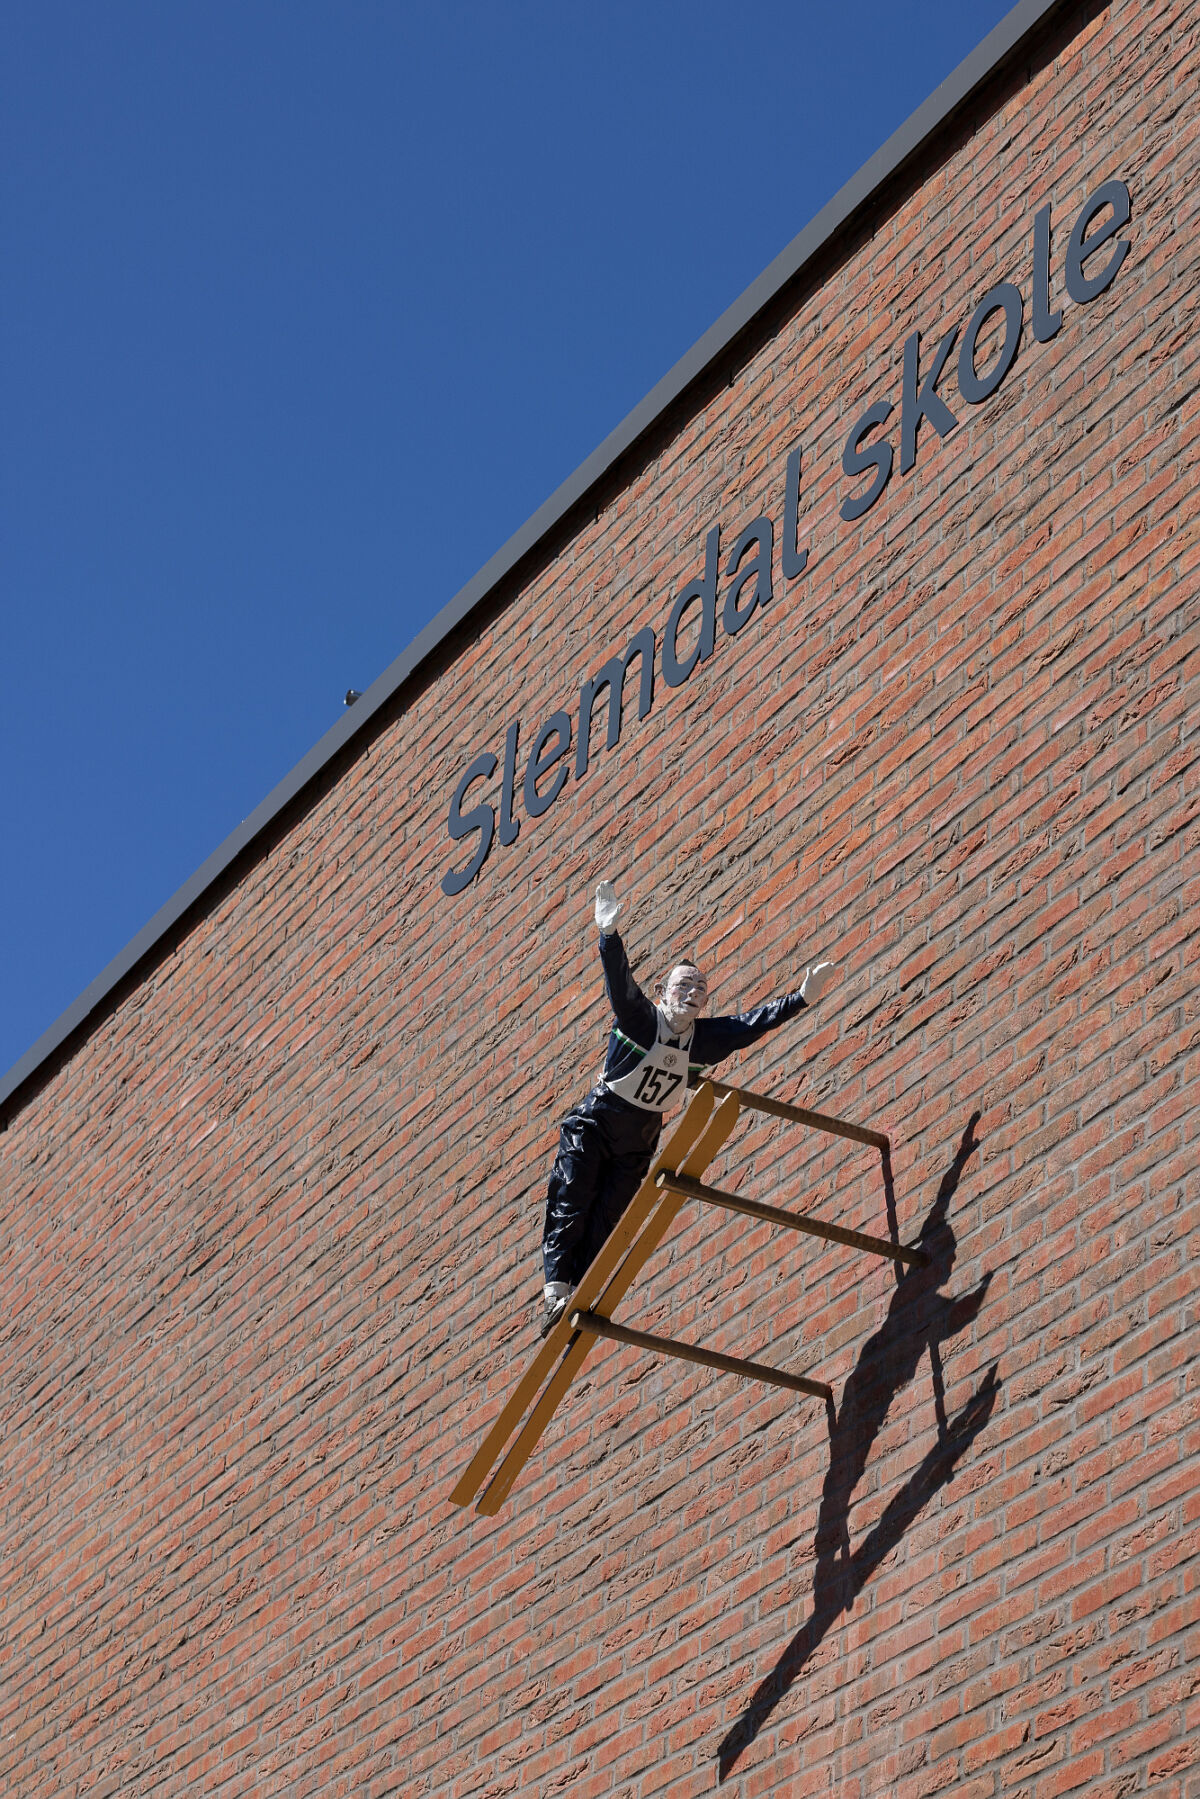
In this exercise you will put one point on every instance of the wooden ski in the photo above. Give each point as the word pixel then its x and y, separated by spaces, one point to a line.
pixel 710 1141
pixel 671 1156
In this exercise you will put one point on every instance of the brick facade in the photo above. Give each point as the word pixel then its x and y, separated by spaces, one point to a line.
pixel 269 1233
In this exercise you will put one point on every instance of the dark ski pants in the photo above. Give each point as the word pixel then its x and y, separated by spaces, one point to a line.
pixel 605 1146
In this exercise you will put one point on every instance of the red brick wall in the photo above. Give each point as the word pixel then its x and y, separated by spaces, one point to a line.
pixel 268 1238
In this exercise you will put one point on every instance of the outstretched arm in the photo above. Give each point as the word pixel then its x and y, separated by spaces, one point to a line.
pixel 633 1012
pixel 717 1038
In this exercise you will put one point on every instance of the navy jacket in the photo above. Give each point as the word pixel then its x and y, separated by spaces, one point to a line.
pixel 635 1021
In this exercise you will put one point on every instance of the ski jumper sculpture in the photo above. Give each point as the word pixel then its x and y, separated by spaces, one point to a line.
pixel 607 1142
pixel 615 1191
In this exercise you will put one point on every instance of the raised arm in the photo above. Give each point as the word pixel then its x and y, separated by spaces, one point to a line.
pixel 633 1012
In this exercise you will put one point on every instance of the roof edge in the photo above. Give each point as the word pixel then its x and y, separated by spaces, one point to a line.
pixel 999 48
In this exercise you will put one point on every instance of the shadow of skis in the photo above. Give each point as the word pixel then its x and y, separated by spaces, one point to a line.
pixel 919 1319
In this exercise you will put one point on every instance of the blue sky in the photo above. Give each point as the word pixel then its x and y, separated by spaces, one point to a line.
pixel 305 308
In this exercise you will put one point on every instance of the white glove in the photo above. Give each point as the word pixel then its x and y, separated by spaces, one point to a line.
pixel 815 981
pixel 607 908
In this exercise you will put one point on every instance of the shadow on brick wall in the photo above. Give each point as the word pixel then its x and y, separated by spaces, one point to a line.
pixel 919 1319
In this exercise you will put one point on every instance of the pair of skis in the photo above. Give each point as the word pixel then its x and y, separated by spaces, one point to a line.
pixel 700 1134
pixel 674 1176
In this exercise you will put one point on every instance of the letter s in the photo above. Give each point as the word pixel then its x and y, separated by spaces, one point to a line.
pixel 460 824
pixel 856 460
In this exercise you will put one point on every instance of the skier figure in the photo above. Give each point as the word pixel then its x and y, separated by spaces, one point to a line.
pixel 607 1142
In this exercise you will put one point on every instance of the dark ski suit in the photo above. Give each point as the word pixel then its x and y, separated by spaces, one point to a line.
pixel 606 1144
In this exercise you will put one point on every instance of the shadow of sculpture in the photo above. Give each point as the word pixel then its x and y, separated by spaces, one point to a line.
pixel 919 1319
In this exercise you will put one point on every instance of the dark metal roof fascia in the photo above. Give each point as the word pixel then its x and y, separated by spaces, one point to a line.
pixel 999 47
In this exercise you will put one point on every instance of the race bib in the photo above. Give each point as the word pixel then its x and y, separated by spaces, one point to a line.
pixel 660 1078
